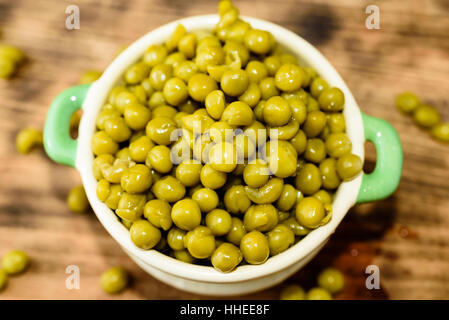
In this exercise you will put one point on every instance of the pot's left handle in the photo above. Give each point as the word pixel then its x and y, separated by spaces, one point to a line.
pixel 58 143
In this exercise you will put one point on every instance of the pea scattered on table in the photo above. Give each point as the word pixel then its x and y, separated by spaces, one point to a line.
pixel 77 200
pixel 10 60
pixel 15 262
pixel 114 280
pixel 28 139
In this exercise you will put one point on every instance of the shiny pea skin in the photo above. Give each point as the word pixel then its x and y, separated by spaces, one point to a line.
pixel 158 212
pixel 226 257
pixel 254 247
pixel 144 235
pixel 348 166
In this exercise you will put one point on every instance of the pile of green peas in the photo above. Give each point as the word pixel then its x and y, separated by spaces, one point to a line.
pixel 13 263
pixel 330 282
pixel 424 115
pixel 259 150
pixel 10 60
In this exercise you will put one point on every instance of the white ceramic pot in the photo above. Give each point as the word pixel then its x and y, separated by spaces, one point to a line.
pixel 248 278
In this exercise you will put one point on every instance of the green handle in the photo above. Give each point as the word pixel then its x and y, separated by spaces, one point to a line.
pixel 384 180
pixel 57 141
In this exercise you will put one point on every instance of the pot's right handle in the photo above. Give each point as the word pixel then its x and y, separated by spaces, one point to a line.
pixel 384 180
pixel 58 144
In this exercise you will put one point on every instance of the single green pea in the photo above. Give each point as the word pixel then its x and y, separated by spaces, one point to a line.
pixel 328 170
pixel 154 55
pixel 332 280
pixel 317 86
pixel 348 166
pixel 308 179
pixel 114 280
pixel 314 124
pixel 310 212
pixel 441 132
pixel 276 111
pixel 268 88
pixel 289 77
pixel 137 72
pixel 200 242
pixel 336 122
pixel 77 200
pixel 407 102
pixel 186 214
pixel 117 129
pixel 256 71
pixel 263 217
pixel 280 239
pixel 168 188
pixel 206 198
pixel 130 206
pixel 175 238
pixel 200 85
pixel 144 235
pixel 315 150
pixel 287 199
pixel 175 91
pixel 426 116
pixel 297 229
pixel 219 222
pixel 234 82
pixel 331 100
pixel 273 63
pixel 136 179
pixel 184 256
pixel 136 116
pixel 28 139
pixel 293 292
pixel 226 257
pixel 254 247
pixel 102 143
pixel 323 196
pixel 258 41
pixel 318 294
pixel 15 262
pixel 159 75
pixel 90 76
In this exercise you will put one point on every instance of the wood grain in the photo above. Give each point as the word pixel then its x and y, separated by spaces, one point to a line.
pixel 407 235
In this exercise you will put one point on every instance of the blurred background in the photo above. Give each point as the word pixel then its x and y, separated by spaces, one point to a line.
pixel 406 235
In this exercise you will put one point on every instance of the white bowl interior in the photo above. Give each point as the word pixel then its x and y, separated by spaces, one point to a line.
pixel 97 94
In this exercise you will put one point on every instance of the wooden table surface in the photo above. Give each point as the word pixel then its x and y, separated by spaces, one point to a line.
pixel 407 235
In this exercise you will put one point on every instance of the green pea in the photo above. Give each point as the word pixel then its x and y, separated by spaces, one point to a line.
pixel 348 166
pixel 332 280
pixel 234 82
pixel 28 139
pixel 137 72
pixel 117 129
pixel 293 292
pixel 280 239
pixel 175 238
pixel 318 294
pixel 219 222
pixel 441 132
pixel 258 41
pixel 226 257
pixel 315 150
pixel 200 242
pixel 315 123
pixel 310 212
pixel 328 170
pixel 130 206
pixel 338 144
pixel 308 179
pixel 237 231
pixel 426 116
pixel 114 280
pixel 331 100
pixel 407 102
pixel 90 76
pixel 155 55
pixel 289 77
pixel 254 247
pixel 144 235
pixel 15 262
pixel 136 179
pixel 77 200
pixel 297 229
pixel 317 86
